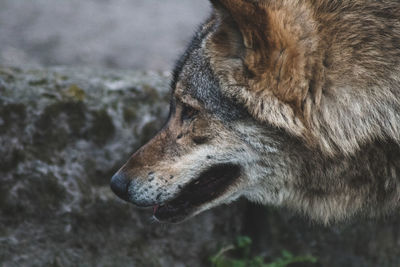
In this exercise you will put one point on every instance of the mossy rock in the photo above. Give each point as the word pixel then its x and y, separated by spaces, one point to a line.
pixel 12 117
pixel 63 133
pixel 102 127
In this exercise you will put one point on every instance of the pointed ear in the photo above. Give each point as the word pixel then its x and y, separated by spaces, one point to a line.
pixel 269 51
pixel 238 22
pixel 271 39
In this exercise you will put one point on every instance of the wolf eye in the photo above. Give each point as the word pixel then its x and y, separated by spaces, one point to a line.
pixel 188 113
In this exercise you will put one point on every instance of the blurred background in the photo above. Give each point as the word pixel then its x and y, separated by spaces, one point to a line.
pixel 98 33
pixel 83 84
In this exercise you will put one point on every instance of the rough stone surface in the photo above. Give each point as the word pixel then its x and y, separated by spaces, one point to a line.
pixel 64 132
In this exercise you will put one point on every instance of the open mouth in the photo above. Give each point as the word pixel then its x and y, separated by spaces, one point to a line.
pixel 211 184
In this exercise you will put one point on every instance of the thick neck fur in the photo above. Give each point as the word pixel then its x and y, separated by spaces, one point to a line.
pixel 327 74
pixel 332 189
pixel 325 71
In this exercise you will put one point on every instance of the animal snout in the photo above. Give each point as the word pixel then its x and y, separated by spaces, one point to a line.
pixel 119 185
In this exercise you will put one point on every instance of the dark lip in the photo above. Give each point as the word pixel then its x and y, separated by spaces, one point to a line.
pixel 210 184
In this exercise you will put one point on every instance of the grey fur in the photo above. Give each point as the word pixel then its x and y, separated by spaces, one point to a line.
pixel 343 177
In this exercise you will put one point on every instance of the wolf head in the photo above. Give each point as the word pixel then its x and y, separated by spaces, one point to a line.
pixel 249 117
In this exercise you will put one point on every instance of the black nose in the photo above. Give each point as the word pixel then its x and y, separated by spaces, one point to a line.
pixel 119 184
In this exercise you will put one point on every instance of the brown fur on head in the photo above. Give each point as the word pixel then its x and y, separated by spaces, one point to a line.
pixel 315 68
pixel 284 102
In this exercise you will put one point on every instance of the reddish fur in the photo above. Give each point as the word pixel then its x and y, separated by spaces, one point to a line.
pixel 296 58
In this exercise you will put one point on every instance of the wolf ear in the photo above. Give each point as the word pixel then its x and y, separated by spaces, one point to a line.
pixel 266 56
pixel 273 39
pixel 237 23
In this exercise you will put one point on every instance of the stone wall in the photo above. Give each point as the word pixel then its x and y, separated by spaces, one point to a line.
pixel 64 132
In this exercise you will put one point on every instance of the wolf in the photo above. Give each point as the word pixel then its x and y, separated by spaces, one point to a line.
pixel 291 103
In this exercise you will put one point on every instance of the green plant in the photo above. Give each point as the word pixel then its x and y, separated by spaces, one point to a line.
pixel 242 248
pixel 288 258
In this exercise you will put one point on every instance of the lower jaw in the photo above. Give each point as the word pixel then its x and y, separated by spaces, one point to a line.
pixel 173 218
pixel 218 179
